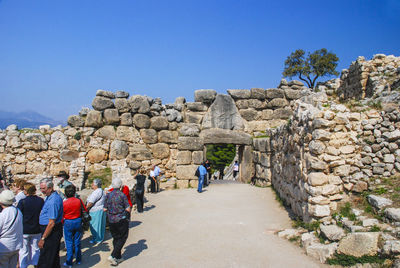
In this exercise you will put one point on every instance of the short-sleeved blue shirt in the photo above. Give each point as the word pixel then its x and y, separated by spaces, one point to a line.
pixel 202 170
pixel 52 209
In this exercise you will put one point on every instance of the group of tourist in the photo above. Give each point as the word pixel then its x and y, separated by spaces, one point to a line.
pixel 203 172
pixel 31 227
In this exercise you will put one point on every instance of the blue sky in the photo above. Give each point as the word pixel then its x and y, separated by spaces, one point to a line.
pixel 54 55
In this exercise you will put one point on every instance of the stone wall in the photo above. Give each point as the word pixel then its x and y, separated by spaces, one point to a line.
pixel 375 77
pixel 313 150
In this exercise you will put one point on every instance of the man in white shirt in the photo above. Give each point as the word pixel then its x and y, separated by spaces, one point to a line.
pixel 11 230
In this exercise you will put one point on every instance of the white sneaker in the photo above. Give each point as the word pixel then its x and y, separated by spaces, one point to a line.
pixel 113 261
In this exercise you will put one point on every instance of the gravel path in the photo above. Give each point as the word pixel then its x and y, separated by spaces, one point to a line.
pixel 228 225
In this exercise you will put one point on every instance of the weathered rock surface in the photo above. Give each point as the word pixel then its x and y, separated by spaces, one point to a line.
pixel 101 103
pixel 378 201
pixel 223 114
pixel 359 244
pixel 332 232
pixel 217 135
pixel 205 95
pixel 118 149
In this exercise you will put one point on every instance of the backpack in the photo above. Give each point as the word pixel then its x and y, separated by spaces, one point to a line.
pixel 197 173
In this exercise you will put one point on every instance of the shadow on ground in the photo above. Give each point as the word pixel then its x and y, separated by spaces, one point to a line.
pixel 134 250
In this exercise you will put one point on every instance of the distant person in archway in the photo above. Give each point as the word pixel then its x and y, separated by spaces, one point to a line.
pixel 235 170
pixel 221 172
pixel 207 178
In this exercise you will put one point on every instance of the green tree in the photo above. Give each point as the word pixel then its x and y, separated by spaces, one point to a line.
pixel 317 64
pixel 220 155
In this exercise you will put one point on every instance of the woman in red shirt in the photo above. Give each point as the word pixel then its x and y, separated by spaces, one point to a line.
pixel 72 225
pixel 125 190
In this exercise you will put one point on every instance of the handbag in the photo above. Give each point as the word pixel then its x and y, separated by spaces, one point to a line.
pixel 85 216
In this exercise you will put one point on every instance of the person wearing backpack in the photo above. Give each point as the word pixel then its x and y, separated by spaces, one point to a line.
pixel 30 206
pixel 11 230
pixel 201 172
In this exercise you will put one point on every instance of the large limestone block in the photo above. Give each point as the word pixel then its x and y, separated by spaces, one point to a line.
pixel 139 104
pixel 58 140
pixel 36 168
pixel 319 210
pixel 316 147
pixel 18 168
pixel 127 134
pixel 223 114
pixel 119 149
pixel 292 94
pixel 122 105
pixel 262 144
pixel 393 214
pixel 320 251
pixel 378 201
pixel 141 121
pixel 282 113
pixel 205 95
pixel 267 114
pixel 196 106
pixel 257 93
pixel 277 103
pixel 189 130
pixel 160 150
pixel 126 119
pixel 121 94
pixel 55 168
pixel 149 135
pixel 186 172
pixel 35 141
pixel 111 117
pixel 332 232
pixel 184 158
pixel 317 178
pixel 106 132
pixel 193 118
pixel 217 135
pixel 239 93
pixel 273 93
pixel 167 136
pixel 94 119
pixel 139 152
pixel 248 114
pixel 68 155
pixel 101 103
pixel 75 121
pixel 105 93
pixel 255 104
pixel 392 136
pixel 159 123
pixel 359 244
pixel 190 143
pixel 96 156
pixel 197 157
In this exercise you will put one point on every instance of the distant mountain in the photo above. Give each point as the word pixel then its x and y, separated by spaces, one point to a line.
pixel 26 119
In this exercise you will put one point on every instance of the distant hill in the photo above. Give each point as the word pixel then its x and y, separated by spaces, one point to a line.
pixel 26 119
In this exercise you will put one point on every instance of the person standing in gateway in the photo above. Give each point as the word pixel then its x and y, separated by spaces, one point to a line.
pixel 202 173
pixel 235 170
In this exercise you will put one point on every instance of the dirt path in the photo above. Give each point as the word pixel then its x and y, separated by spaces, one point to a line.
pixel 228 225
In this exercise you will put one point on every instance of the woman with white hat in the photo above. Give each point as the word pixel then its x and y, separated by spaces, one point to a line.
pixel 11 230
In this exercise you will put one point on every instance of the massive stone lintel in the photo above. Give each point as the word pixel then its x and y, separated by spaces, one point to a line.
pixel 218 135
pixel 223 113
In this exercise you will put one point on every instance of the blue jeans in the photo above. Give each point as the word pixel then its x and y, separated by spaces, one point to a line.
pixel 201 181
pixel 72 237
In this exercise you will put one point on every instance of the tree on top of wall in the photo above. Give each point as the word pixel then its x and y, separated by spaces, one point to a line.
pixel 317 64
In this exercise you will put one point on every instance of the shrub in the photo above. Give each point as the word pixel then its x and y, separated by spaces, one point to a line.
pixel 78 136
pixel 347 260
pixel 105 175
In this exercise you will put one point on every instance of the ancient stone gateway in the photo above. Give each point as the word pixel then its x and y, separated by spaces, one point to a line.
pixel 312 150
